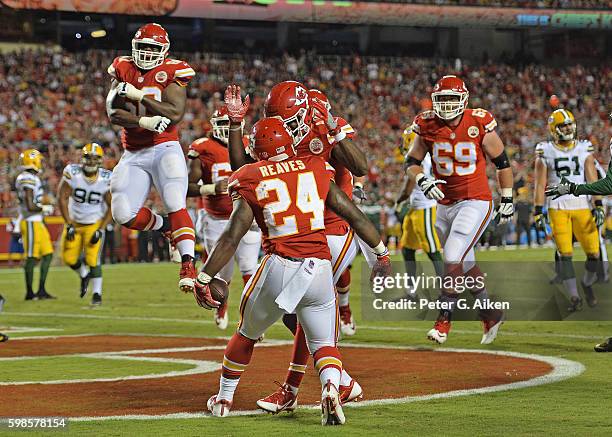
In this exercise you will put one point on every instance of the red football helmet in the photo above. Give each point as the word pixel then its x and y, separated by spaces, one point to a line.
pixel 145 40
pixel 271 140
pixel 449 97
pixel 289 101
pixel 314 94
pixel 220 123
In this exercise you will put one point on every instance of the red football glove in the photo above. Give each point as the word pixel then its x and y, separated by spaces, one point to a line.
pixel 382 267
pixel 236 108
pixel 322 118
pixel 203 296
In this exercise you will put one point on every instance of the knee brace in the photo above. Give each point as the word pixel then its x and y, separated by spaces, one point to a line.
pixel 173 195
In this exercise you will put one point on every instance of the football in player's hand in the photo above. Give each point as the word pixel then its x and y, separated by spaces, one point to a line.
pixel 219 290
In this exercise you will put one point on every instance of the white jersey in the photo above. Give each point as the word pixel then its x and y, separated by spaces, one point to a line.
pixel 86 204
pixel 569 164
pixel 418 200
pixel 29 181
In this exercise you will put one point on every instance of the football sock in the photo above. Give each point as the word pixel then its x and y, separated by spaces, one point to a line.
pixel 29 273
pixel 409 261
pixel 343 287
pixel 567 273
pixel 451 302
pixel 83 270
pixel 328 364
pixel 96 280
pixel 146 220
pixel 345 378
pixel 183 234
pixel 480 293
pixel 571 287
pixel 237 356
pixel 299 359
pixel 45 262
pixel 590 271
pixel 437 261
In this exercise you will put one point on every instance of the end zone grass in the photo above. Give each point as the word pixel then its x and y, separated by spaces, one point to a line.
pixel 143 299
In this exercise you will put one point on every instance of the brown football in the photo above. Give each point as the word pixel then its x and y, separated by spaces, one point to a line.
pixel 219 290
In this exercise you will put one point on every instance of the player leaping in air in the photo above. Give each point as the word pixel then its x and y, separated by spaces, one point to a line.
pixel 287 196
pixel 147 98
pixel 459 140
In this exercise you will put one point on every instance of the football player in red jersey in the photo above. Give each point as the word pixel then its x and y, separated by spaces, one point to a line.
pixel 210 165
pixel 287 197
pixel 316 132
pixel 459 140
pixel 147 98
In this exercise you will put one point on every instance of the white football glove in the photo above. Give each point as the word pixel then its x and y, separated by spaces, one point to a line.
pixel 157 123
pixel 47 209
pixel 429 186
pixel 505 211
pixel 129 91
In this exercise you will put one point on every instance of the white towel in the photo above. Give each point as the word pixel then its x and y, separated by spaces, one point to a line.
pixel 296 288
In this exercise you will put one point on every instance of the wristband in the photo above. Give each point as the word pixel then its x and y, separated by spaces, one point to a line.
pixel 204 278
pixel 380 250
pixel 207 189
pixel 506 192
pixel 339 136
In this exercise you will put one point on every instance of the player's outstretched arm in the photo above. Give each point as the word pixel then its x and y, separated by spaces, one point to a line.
pixel 239 223
pixel 339 203
pixel 237 110
pixel 602 187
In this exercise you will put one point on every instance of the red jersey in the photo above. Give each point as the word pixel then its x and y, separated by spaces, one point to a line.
pixel 457 154
pixel 153 82
pixel 322 146
pixel 288 201
pixel 214 161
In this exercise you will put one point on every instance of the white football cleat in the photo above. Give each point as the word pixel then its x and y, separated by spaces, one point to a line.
pixel 490 330
pixel 221 317
pixel 439 333
pixel 331 407
pixel 351 392
pixel 219 408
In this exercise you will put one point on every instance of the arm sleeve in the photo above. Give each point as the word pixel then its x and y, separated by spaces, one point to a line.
pixel 602 187
pixel 183 74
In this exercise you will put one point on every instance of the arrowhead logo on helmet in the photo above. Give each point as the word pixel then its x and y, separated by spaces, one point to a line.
pixel 449 97
pixel 289 101
pixel 150 46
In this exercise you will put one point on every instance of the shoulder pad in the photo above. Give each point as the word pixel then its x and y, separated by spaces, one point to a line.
pixel 182 72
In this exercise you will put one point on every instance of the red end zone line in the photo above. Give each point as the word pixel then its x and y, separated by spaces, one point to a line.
pixel 562 369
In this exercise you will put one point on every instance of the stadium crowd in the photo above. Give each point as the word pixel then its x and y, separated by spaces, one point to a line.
pixel 55 101
pixel 553 4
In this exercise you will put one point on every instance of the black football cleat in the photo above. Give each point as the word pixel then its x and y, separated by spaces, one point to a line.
pixel 84 285
pixel 43 295
pixel 30 296
pixel 575 304
pixel 3 337
pixel 589 295
pixel 606 346
pixel 96 299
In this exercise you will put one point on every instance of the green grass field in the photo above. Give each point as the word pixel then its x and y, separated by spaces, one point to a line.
pixel 143 299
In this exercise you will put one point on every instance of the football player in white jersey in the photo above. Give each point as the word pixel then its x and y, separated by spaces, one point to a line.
pixel 566 157
pixel 84 202
pixel 419 217
pixel 36 239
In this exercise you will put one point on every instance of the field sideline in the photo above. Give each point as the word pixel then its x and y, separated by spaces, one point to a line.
pixel 141 302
